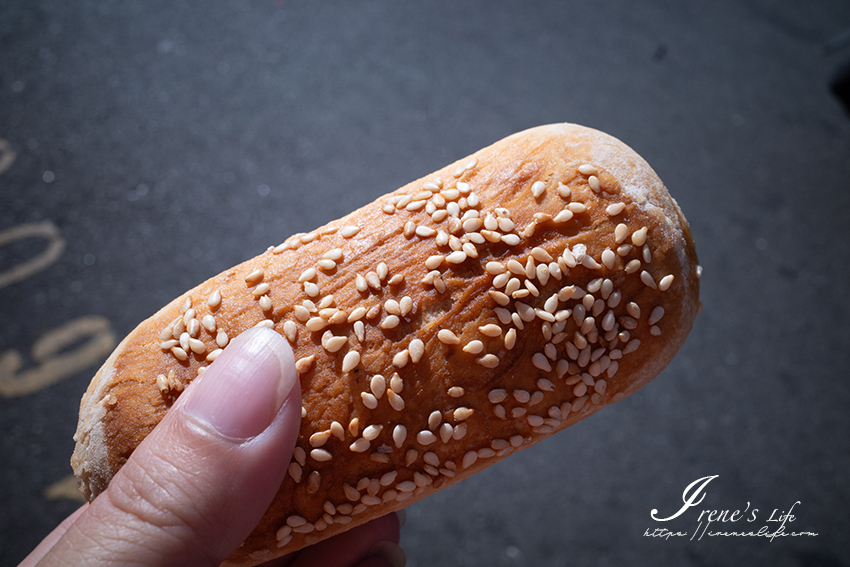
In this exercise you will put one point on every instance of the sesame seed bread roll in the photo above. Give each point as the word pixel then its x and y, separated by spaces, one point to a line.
pixel 467 315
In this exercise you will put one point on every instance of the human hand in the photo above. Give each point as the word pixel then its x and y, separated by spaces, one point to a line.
pixel 200 482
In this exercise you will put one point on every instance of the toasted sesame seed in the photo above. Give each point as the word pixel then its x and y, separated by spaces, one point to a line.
pixel 434 420
pixel 168 331
pixel 221 339
pixel 349 231
pixel 334 343
pixel 501 280
pixel 563 191
pixel 265 303
pixel 261 290
pixel 491 330
pixel 179 353
pixel 404 306
pixel 632 346
pixel 503 314
pixel 302 365
pixel 425 438
pixel 577 207
pixel 472 224
pixel 334 254
pixel 647 254
pixel 409 229
pixel 463 187
pixel 396 383
pixel 593 181
pixel 525 312
pixel 537 188
pixel 397 279
pixel 357 314
pixel 456 391
pixel 474 347
pixel 431 458
pixel 307 275
pixel 447 337
pixel 371 432
pixel 378 385
pixel 399 435
pixel 320 455
pixel 587 169
pixel 416 349
pixel 188 316
pixel 198 347
pixel 390 322
pixel 316 324
pixel 425 231
pixel 639 237
pixel 415 205
pixel 608 321
pixel 506 224
pixel 360 331
pixel 320 438
pixel 374 280
pixel 665 282
pixel 434 262
pixel 469 459
pixel 350 361
pixel 462 414
pixel 214 300
pixel 311 289
pixel 608 258
pixel 632 267
pixel 396 401
pixel 301 313
pixel 497 396
pixel 656 315
pixel 539 361
pixel 456 257
pixel 518 412
pixel 368 400
pixel 510 339
pixel 648 280
pixel 563 216
pixel 488 361
pixel 254 277
pixel 209 323
pixel 655 331
pixel 400 359
pixel 589 262
pixel 517 321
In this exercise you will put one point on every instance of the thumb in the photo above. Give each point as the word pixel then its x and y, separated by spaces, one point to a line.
pixel 200 482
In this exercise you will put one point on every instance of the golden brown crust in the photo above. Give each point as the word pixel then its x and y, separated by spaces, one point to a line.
pixel 549 356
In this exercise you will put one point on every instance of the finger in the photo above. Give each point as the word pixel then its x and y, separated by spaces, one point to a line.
pixel 200 482
pixel 354 546
pixel 51 539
